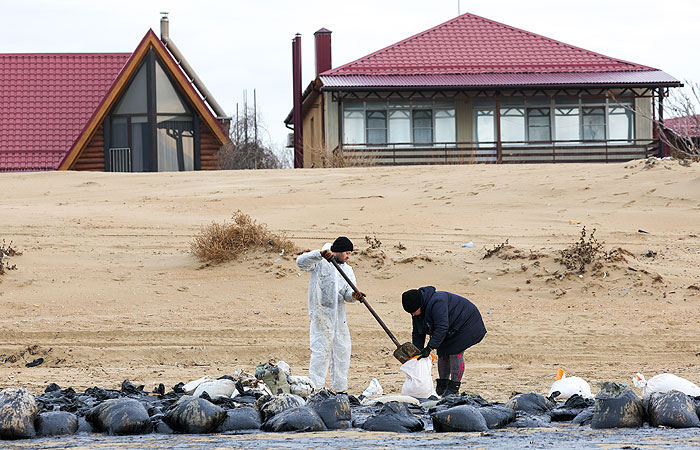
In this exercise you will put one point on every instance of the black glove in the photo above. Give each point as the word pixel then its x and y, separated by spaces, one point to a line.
pixel 425 352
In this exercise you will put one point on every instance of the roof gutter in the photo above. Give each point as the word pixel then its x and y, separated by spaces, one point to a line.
pixel 189 71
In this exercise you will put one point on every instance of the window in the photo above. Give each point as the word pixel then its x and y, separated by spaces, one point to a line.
pixel 512 124
pixel 593 120
pixel 132 146
pixel 621 121
pixel 485 125
pixel 376 127
pixel 422 126
pixel 566 123
pixel 538 124
pixel 405 123
pixel 400 126
pixel 354 127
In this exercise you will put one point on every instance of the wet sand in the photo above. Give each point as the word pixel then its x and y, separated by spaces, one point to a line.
pixel 107 288
pixel 563 437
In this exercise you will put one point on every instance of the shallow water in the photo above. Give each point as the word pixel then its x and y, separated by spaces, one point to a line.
pixel 561 437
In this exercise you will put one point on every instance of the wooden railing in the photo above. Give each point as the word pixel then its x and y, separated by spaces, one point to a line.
pixel 492 152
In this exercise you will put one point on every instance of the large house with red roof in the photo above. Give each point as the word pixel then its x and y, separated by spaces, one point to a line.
pixel 475 90
pixel 117 112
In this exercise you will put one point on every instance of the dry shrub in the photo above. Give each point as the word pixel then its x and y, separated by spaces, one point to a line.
pixel 373 242
pixel 341 158
pixel 217 243
pixel 583 252
pixel 7 251
pixel 496 249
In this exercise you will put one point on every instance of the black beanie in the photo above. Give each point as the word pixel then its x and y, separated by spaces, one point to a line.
pixel 411 300
pixel 342 244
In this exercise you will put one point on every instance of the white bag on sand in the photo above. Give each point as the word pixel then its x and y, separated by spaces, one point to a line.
pixel 190 387
pixel 300 385
pixel 374 390
pixel 216 388
pixel 665 382
pixel 419 378
pixel 569 386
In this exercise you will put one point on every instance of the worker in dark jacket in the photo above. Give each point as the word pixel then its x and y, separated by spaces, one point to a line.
pixel 453 323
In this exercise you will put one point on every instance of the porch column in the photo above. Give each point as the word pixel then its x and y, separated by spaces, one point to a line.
pixel 499 149
pixel 663 148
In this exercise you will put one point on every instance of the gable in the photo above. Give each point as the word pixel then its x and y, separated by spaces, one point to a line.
pixel 149 42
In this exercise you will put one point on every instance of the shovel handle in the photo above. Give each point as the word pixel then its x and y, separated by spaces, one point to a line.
pixel 366 303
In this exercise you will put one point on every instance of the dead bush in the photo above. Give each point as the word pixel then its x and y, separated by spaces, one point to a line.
pixel 373 242
pixel 583 252
pixel 5 252
pixel 220 242
pixel 494 251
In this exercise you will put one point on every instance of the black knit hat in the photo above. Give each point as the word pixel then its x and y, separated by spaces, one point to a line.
pixel 411 300
pixel 342 244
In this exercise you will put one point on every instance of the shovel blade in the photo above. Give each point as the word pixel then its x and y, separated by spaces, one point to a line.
pixel 406 351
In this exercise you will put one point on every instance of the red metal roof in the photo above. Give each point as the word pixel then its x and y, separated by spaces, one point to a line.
pixel 685 126
pixel 46 100
pixel 655 77
pixel 470 44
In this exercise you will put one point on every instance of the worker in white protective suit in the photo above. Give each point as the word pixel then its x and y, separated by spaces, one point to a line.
pixel 329 335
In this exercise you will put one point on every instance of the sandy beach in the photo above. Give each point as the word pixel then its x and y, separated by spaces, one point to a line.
pixel 107 288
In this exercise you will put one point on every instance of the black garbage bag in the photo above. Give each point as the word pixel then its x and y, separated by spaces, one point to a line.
pixel 239 419
pixel 18 410
pixel 333 409
pixel 584 417
pixel 394 416
pixel 129 389
pixel 269 405
pixel 459 418
pixel 120 416
pixel 672 409
pixel 497 416
pixel 531 403
pixel 572 408
pixel 524 419
pixel 56 423
pixel 463 399
pixel 300 418
pixel 194 415
pixel 617 406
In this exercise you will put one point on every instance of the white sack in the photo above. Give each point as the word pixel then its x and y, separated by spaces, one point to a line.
pixel 419 378
pixel 192 385
pixel 665 382
pixel 374 390
pixel 216 388
pixel 569 386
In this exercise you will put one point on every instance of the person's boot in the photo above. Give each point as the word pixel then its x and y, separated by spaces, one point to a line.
pixel 440 386
pixel 452 388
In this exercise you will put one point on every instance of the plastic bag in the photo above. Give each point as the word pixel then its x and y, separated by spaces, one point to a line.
pixel 665 382
pixel 374 390
pixel 419 378
pixel 274 377
pixel 568 386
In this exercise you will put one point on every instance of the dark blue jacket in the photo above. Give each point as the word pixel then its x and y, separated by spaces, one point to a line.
pixel 453 322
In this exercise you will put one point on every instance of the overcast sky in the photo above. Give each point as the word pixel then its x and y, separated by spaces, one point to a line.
pixel 241 44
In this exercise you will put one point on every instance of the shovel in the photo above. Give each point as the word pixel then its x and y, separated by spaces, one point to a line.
pixel 403 352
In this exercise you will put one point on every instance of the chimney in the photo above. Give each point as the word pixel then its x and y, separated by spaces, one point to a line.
pixel 164 27
pixel 296 109
pixel 323 50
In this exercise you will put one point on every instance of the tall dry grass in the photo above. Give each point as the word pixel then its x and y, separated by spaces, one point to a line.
pixel 221 242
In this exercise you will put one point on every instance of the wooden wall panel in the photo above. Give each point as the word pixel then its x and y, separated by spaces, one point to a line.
pixel 209 146
pixel 93 157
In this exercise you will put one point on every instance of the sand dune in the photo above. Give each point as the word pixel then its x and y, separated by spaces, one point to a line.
pixel 108 290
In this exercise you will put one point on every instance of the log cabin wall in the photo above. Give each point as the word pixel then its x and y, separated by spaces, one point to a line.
pixel 93 157
pixel 209 146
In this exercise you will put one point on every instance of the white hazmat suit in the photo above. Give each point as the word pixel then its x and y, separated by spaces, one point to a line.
pixel 329 335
